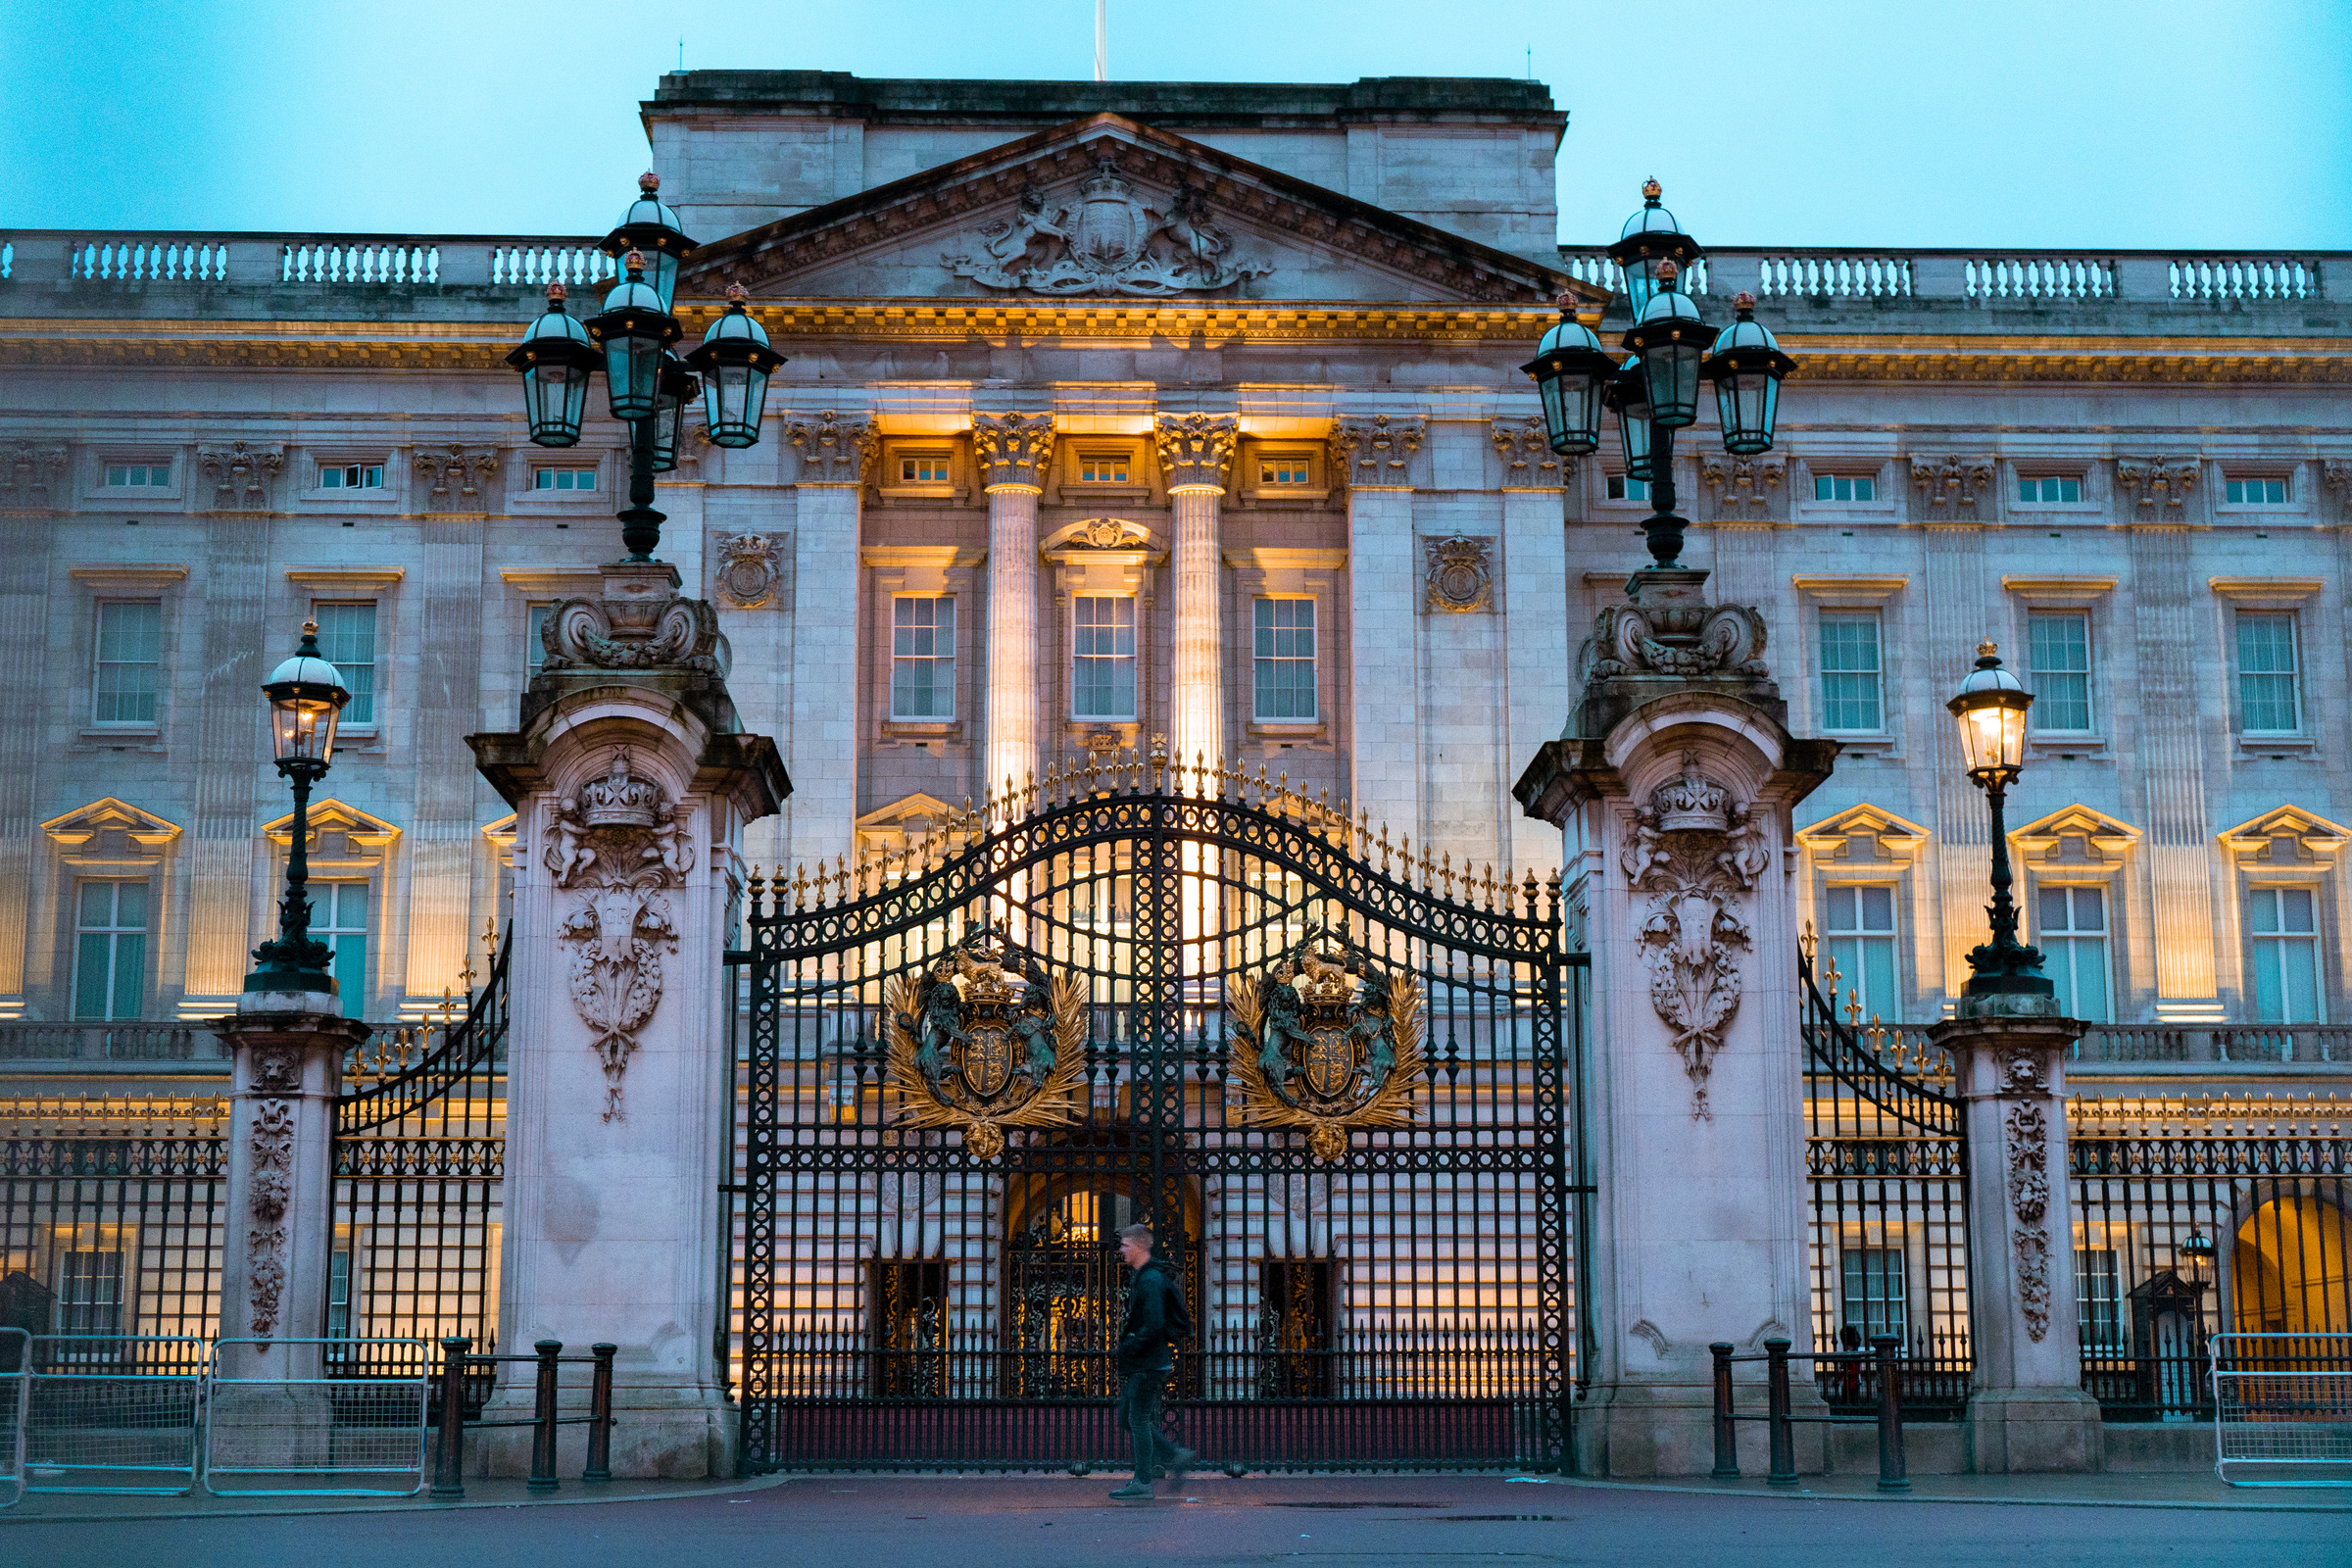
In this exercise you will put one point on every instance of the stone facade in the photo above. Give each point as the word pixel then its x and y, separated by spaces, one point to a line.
pixel 1331 289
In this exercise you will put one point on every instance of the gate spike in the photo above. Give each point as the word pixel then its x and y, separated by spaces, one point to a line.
pixel 800 883
pixel 1529 892
pixel 1490 886
pixel 1028 789
pixel 1448 874
pixel 841 879
pixel 1384 849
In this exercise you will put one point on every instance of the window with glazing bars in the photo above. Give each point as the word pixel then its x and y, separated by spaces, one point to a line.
pixel 2267 686
pixel 534 649
pixel 1858 936
pixel 1286 659
pixel 89 1292
pixel 2284 924
pixel 2073 939
pixel 2045 490
pixel 347 638
pixel 137 476
pixel 2098 1300
pixel 922 658
pixel 110 950
pixel 1844 487
pixel 1874 1298
pixel 2058 657
pixel 131 646
pixel 352 476
pixel 1849 672
pixel 1102 657
pixel 2254 492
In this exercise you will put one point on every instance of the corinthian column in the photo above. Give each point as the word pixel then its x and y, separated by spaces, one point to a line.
pixel 1012 451
pixel 1196 451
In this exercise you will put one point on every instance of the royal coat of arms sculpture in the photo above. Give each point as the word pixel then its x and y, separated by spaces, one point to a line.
pixel 986 1040
pixel 1327 1041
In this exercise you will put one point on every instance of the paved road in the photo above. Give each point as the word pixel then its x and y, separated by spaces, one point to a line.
pixel 1420 1522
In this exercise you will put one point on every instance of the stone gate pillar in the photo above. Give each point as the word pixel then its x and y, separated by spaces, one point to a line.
pixel 1674 787
pixel 2026 1407
pixel 631 781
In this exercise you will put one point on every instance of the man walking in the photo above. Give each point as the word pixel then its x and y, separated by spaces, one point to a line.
pixel 1156 1319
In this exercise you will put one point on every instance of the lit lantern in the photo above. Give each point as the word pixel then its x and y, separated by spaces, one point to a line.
pixel 557 361
pixel 306 696
pixel 735 363
pixel 1746 367
pixel 1992 714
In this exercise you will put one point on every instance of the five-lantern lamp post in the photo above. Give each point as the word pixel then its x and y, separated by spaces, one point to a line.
pixel 306 701
pixel 1657 392
pixel 649 386
pixel 1991 711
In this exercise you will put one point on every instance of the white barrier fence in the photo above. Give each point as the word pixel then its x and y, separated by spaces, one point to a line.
pixel 16 1372
pixel 283 1419
pixel 2282 1409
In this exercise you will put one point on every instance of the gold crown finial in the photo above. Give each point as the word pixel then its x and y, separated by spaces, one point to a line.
pixel 1668 272
pixel 1651 190
pixel 1988 648
pixel 737 294
pixel 557 293
pixel 1744 302
pixel 649 182
pixel 634 261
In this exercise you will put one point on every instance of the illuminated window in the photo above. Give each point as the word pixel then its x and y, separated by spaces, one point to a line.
pixel 89 1292
pixel 1874 1295
pixel 1286 659
pixel 1284 468
pixel 923 468
pixel 2047 491
pixel 922 659
pixel 1102 468
pixel 2098 1298
pixel 1102 673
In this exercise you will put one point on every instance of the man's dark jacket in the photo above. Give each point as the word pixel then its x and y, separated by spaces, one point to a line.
pixel 1155 1316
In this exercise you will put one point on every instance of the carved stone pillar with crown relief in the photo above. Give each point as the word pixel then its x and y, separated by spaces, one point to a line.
pixel 1195 452
pixel 1012 451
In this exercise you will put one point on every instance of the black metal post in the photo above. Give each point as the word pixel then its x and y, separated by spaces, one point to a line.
pixel 1727 1431
pixel 600 1408
pixel 543 1419
pixel 1784 1431
pixel 1662 528
pixel 449 1465
pixel 2005 907
pixel 291 961
pixel 1892 1474
pixel 640 524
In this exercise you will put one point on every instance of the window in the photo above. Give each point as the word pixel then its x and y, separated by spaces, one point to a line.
pixel 2074 949
pixel 922 659
pixel 2286 955
pixel 1286 659
pixel 352 476
pixel 89 1292
pixel 130 644
pixel 340 918
pixel 347 637
pixel 2098 1300
pixel 338 1295
pixel 2266 674
pixel 534 650
pixel 923 468
pixel 1849 671
pixel 1284 468
pixel 1103 679
pixel 2254 492
pixel 1844 487
pixel 2047 491
pixel 137 476
pixel 1102 468
pixel 1621 489
pixel 1860 942
pixel 110 950
pixel 1874 1292
pixel 563 478
pixel 2058 657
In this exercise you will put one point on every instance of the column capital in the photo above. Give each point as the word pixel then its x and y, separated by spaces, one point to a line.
pixel 834 450
pixel 1196 450
pixel 1013 449
pixel 1378 451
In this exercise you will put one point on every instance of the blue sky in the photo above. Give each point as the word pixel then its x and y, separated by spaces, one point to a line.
pixel 1994 122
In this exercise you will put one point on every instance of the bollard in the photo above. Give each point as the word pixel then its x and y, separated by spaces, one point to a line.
pixel 1892 1474
pixel 543 1419
pixel 449 1465
pixel 600 1417
pixel 1784 1431
pixel 1727 1431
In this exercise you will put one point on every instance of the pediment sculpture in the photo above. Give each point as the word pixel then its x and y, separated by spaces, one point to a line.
pixel 985 1039
pixel 1327 1041
pixel 1106 242
pixel 1695 852
pixel 617 843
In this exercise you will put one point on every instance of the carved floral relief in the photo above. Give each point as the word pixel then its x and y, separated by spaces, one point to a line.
pixel 2029 1139
pixel 1106 242
pixel 270 1191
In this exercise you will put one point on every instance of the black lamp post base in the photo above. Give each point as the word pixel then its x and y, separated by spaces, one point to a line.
pixel 1663 531
pixel 265 980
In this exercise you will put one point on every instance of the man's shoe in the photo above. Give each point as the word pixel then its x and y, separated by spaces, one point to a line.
pixel 1182 1465
pixel 1133 1492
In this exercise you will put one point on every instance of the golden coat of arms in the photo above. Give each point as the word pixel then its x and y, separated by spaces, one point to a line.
pixel 1328 1041
pixel 985 1040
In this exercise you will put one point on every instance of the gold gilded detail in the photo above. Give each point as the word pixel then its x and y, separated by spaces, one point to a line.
pixel 1327 1042
pixel 986 1040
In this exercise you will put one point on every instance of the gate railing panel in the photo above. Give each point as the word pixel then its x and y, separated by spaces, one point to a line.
pixel 277 1423
pixel 2282 1409
pixel 113 1413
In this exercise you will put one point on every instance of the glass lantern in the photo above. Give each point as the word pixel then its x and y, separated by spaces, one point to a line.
pixel 557 361
pixel 1746 367
pixel 676 390
pixel 1671 340
pixel 306 696
pixel 652 230
pixel 1651 239
pixel 1628 397
pixel 1571 371
pixel 735 362
pixel 1991 711
pixel 634 330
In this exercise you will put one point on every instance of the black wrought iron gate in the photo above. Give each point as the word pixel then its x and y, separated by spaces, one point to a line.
pixel 1329 1076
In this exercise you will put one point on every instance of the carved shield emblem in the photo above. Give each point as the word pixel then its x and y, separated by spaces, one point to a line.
pixel 986 1063
pixel 985 1039
pixel 1110 226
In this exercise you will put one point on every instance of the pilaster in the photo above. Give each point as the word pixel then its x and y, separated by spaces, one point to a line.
pixel 1013 451
pixel 449 661
pixel 1535 590
pixel 221 854
pixel 1374 458
pixel 24 571
pixel 1195 452
pixel 836 459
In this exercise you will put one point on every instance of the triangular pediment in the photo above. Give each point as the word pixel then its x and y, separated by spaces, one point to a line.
pixel 85 823
pixel 331 815
pixel 2103 837
pixel 1834 835
pixel 2313 834
pixel 1107 209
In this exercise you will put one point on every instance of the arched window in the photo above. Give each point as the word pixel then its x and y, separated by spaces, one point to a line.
pixel 2291 1273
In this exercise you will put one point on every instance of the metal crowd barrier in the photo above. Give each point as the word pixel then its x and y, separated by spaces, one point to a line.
pixel 1893 1474
pixel 2282 1401
pixel 313 1434
pixel 16 1382
pixel 112 1412
pixel 449 1467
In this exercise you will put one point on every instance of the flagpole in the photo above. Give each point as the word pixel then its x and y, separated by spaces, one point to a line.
pixel 1102 40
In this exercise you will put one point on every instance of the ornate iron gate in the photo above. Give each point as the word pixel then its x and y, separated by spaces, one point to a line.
pixel 1329 1074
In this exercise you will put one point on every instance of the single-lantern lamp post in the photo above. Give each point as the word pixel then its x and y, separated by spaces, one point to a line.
pixel 648 386
pixel 306 696
pixel 1657 392
pixel 1990 712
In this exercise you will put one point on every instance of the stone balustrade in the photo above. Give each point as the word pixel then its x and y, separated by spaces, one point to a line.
pixel 1905 1047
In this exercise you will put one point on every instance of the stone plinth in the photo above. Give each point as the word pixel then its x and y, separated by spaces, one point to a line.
pixel 630 787
pixel 2026 1409
pixel 1676 814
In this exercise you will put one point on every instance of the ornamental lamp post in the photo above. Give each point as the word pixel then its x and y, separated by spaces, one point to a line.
pixel 1571 371
pixel 648 386
pixel 1650 242
pixel 306 701
pixel 1990 712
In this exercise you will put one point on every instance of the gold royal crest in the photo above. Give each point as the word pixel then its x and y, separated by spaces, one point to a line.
pixel 987 1040
pixel 1327 1041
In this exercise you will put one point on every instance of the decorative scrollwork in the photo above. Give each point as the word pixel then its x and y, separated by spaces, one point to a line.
pixel 1326 1041
pixel 1697 640
pixel 2029 1140
pixel 987 1040
pixel 681 632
